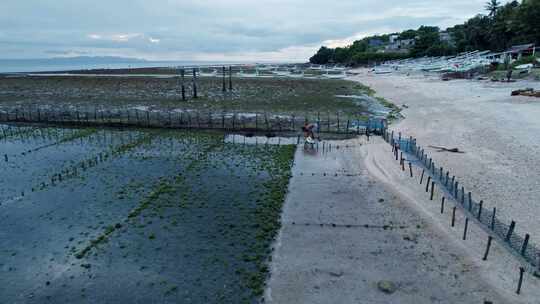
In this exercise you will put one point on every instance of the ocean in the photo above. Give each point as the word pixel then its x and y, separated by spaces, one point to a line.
pixel 67 64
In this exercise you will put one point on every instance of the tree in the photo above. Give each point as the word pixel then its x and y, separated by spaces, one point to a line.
pixel 428 36
pixel 492 7
pixel 323 56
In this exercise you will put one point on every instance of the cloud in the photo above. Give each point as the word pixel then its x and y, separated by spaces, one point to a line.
pixel 207 29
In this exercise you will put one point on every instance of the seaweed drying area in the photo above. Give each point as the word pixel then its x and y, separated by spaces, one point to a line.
pixel 90 215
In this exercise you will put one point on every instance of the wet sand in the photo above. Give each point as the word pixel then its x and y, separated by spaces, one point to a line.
pixel 499 133
pixel 345 228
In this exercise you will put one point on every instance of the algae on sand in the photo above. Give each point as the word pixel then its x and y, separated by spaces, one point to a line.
pixel 182 215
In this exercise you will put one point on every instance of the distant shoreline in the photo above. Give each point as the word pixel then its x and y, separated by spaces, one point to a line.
pixel 79 65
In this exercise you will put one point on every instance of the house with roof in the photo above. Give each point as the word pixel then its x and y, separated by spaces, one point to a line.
pixel 518 51
pixel 397 45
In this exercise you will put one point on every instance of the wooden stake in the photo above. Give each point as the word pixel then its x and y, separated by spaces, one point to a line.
pixel 480 206
pixel 182 74
pixel 510 231
pixel 442 205
pixel 525 243
pixel 195 84
pixel 521 272
pixel 224 88
pixel 490 238
pixel 465 229
pixel 453 217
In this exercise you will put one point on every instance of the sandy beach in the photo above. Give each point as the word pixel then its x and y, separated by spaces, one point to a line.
pixel 500 135
pixel 345 230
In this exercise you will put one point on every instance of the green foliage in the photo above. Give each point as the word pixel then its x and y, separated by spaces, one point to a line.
pixel 324 55
pixel 505 25
pixel 493 6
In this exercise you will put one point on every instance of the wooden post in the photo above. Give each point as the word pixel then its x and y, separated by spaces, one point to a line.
pixel 510 231
pixel 432 190
pixel 462 196
pixel 480 206
pixel 440 173
pixel 525 243
pixel 521 272
pixel 318 122
pixel 452 184
pixel 490 238
pixel 195 84
pixel 410 169
pixel 230 78
pixel 427 184
pixel 182 74
pixel 422 176
pixel 224 88
pixel 442 204
pixel 446 181
pixel 465 228
pixel 470 201
pixel 453 217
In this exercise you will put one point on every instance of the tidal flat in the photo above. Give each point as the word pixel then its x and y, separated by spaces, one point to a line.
pixel 112 215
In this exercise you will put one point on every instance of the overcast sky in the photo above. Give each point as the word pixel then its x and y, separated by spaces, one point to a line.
pixel 249 30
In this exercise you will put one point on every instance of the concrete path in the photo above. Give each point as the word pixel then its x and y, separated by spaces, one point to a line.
pixel 347 238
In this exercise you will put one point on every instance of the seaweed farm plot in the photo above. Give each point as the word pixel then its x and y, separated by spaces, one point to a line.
pixel 124 216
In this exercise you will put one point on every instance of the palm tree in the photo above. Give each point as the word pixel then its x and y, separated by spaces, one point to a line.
pixel 492 7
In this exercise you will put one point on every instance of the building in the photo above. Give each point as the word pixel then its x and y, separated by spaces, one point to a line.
pixel 400 45
pixel 518 51
pixel 375 42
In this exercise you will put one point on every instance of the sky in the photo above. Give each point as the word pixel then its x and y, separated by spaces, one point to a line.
pixel 210 30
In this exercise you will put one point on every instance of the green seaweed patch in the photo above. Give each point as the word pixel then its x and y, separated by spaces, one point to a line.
pixel 267 219
pixel 102 238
